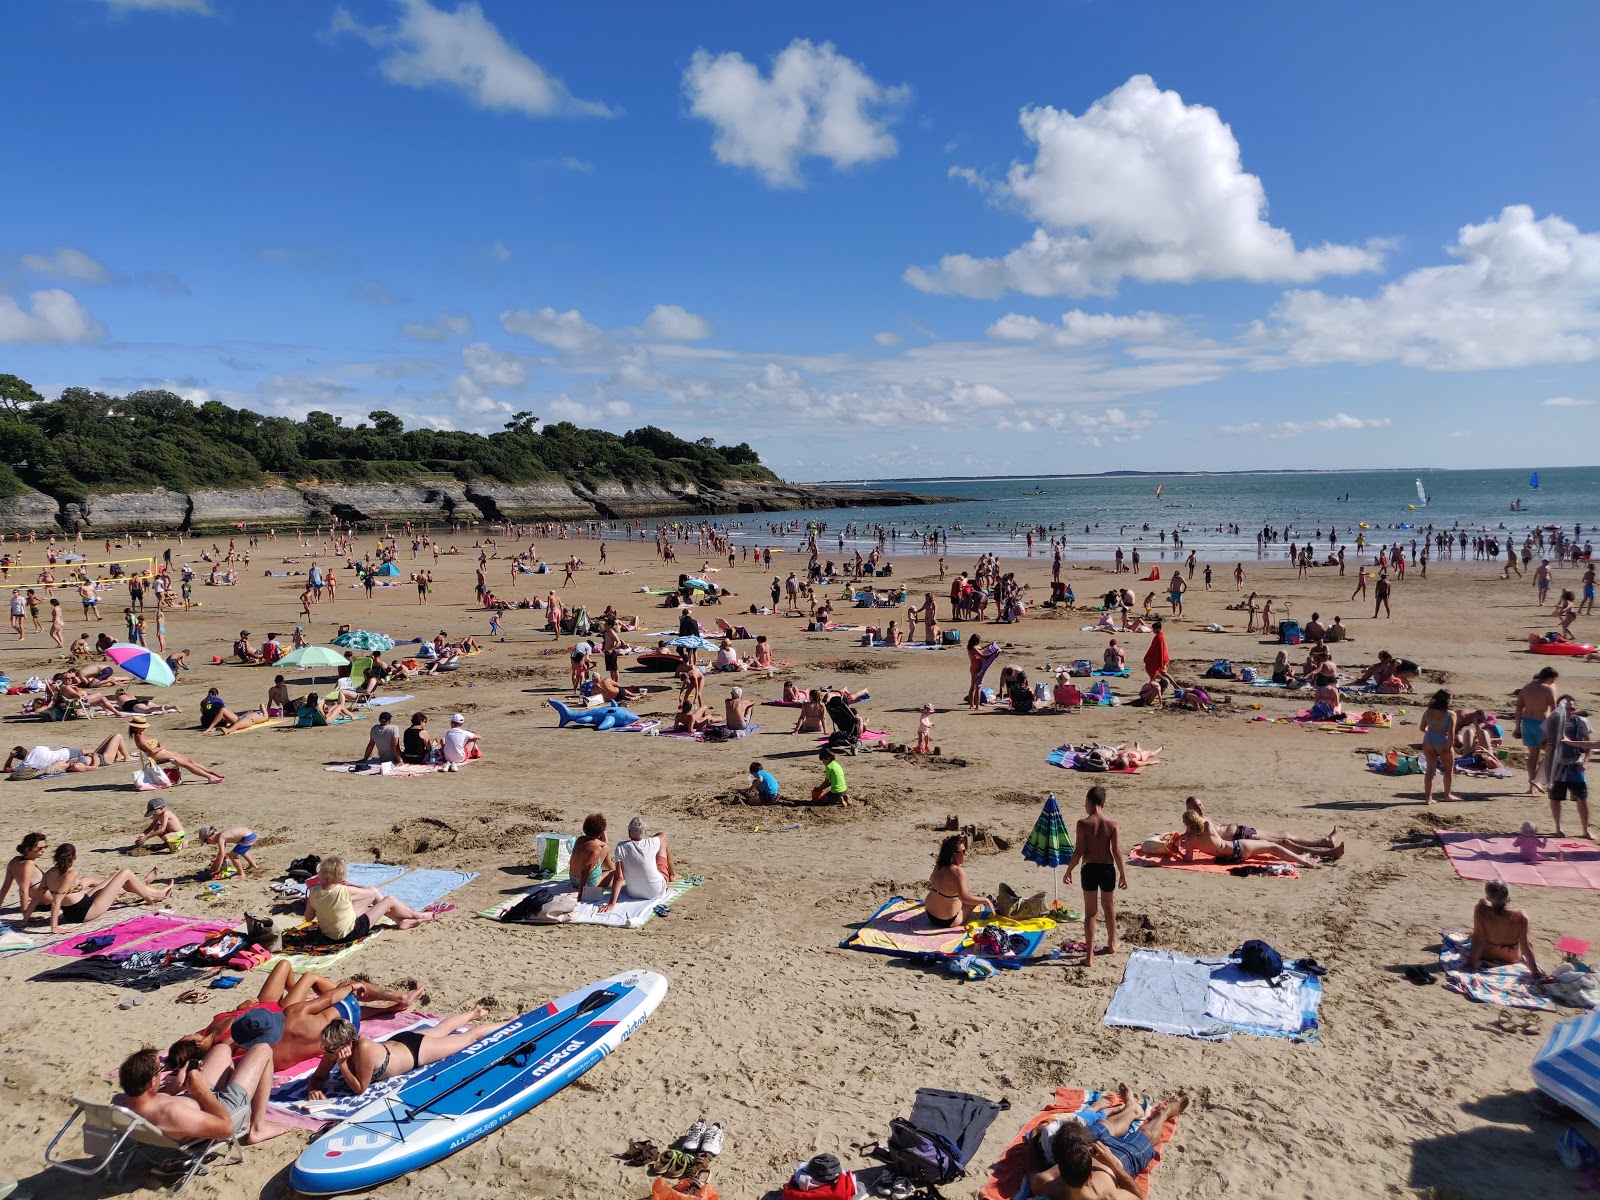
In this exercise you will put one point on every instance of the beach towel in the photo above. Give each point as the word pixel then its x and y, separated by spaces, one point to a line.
pixel 418 889
pixel 12 942
pixel 700 737
pixel 1166 992
pixel 1568 863
pixel 901 928
pixel 372 874
pixel 124 934
pixel 628 914
pixel 305 949
pixel 1509 985
pixel 291 1106
pixel 1204 862
pixel 1067 757
pixel 961 1118
pixel 784 703
pixel 1008 1177
pixel 369 770
pixel 1253 1005
pixel 374 701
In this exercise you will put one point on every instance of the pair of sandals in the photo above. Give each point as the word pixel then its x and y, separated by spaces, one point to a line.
pixel 690 1172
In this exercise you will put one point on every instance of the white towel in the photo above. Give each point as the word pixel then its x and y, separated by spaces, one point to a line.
pixel 1241 999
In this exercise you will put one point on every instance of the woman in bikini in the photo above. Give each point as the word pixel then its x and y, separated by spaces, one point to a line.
pixel 139 731
pixel 74 898
pixel 24 870
pixel 589 865
pixel 1500 934
pixel 1438 726
pixel 976 661
pixel 1201 836
pixel 1329 848
pixel 949 903
pixel 363 1062
pixel 813 714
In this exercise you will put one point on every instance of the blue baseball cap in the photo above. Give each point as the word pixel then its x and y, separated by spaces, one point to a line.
pixel 258 1025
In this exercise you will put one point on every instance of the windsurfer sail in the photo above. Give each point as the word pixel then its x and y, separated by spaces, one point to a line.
pixel 1422 495
pixel 1533 481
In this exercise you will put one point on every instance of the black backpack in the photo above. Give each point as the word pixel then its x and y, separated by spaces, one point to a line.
pixel 923 1157
pixel 1258 958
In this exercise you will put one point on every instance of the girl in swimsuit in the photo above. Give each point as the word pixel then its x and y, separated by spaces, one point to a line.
pixel 949 903
pixel 1438 726
pixel 74 899
pixel 590 863
pixel 1500 934
pixel 24 869
pixel 363 1062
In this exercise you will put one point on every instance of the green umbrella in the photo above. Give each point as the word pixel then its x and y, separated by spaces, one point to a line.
pixel 313 656
pixel 1049 844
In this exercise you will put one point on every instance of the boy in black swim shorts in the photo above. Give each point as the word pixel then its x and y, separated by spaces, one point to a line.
pixel 1099 850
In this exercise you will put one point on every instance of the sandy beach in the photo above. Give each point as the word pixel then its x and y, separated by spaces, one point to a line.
pixel 798 1046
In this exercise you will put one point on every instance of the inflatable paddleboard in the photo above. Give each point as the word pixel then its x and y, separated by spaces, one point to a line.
pixel 422 1117
pixel 1562 648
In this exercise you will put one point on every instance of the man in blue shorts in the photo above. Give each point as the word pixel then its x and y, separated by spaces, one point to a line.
pixel 1093 1154
pixel 1535 699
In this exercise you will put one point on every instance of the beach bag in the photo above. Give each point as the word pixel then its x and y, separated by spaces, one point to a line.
pixel 1081 666
pixel 1248 675
pixel 1258 958
pixel 1221 669
pixel 676 1189
pixel 1322 711
pixel 533 904
pixel 304 868
pixel 951 637
pixel 923 1157
pixel 1573 985
pixel 553 852
pixel 1289 633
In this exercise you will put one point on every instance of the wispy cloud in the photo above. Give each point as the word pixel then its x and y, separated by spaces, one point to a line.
pixel 1568 402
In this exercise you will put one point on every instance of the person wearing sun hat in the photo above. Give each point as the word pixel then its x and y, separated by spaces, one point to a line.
pixel 139 735
pixel 165 826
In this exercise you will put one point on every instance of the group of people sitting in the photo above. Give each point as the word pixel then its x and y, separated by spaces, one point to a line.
pixel 415 746
pixel 639 868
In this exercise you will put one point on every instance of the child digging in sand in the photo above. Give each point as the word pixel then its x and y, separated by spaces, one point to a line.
pixel 165 830
pixel 241 839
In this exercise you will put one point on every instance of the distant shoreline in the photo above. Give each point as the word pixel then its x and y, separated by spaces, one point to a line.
pixel 931 479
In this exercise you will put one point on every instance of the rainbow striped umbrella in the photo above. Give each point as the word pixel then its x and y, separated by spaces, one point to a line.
pixel 1049 844
pixel 140 662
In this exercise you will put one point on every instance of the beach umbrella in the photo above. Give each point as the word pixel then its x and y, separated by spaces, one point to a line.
pixel 693 641
pixel 1565 1066
pixel 1049 844
pixel 313 656
pixel 364 639
pixel 139 661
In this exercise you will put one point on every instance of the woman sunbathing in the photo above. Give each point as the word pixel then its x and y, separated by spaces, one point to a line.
pixel 813 714
pixel 691 717
pixel 126 702
pixel 1201 836
pixel 1500 934
pixel 1329 848
pixel 949 903
pixel 363 1062
pixel 74 899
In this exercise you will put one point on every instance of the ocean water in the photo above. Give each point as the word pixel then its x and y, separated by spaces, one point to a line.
pixel 1098 513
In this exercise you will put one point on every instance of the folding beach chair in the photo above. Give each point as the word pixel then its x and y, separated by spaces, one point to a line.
pixel 113 1136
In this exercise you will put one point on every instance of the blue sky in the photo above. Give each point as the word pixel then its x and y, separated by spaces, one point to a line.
pixel 885 239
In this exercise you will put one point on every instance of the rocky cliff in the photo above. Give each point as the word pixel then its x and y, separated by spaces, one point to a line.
pixel 439 500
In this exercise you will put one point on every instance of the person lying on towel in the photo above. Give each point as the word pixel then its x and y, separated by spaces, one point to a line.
pixel 1097 1154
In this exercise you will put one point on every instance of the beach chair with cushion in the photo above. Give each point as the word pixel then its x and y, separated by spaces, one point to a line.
pixel 351 682
pixel 113 1136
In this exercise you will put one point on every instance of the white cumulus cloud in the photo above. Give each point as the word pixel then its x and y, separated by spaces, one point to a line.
pixel 67 263
pixel 816 104
pixel 1078 328
pixel 1568 402
pixel 56 316
pixel 432 47
pixel 562 330
pixel 1142 186
pixel 1290 429
pixel 488 367
pixel 670 323
pixel 1111 425
pixel 449 325
pixel 1524 291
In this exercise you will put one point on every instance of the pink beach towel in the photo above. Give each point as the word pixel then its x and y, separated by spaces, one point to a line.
pixel 1487 856
pixel 125 934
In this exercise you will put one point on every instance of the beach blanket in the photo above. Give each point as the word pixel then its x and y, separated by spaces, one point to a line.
pixel 784 703
pixel 628 914
pixel 1008 1177
pixel 12 942
pixel 305 949
pixel 133 930
pixel 421 888
pixel 1067 757
pixel 1211 999
pixel 291 1106
pixel 1509 985
pixel 901 928
pixel 369 770
pixel 1568 862
pixel 372 701
pixel 372 874
pixel 700 737
pixel 1207 864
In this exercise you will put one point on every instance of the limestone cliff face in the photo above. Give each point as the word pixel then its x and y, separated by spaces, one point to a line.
pixel 431 500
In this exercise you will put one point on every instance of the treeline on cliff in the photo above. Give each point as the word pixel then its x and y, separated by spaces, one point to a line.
pixel 87 440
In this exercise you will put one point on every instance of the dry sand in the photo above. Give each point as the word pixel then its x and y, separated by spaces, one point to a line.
pixel 795 1045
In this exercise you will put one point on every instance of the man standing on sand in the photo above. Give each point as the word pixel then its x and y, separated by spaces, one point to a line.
pixel 1535 699
pixel 1541 580
pixel 1099 849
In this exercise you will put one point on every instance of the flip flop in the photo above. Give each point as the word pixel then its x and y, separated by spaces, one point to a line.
pixel 1420 976
pixel 192 996
pixel 641 1153
pixel 671 1164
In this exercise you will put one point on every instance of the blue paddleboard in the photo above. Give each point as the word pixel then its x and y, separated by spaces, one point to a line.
pixel 433 1112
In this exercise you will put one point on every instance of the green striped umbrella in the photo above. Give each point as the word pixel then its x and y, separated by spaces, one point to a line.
pixel 1049 844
